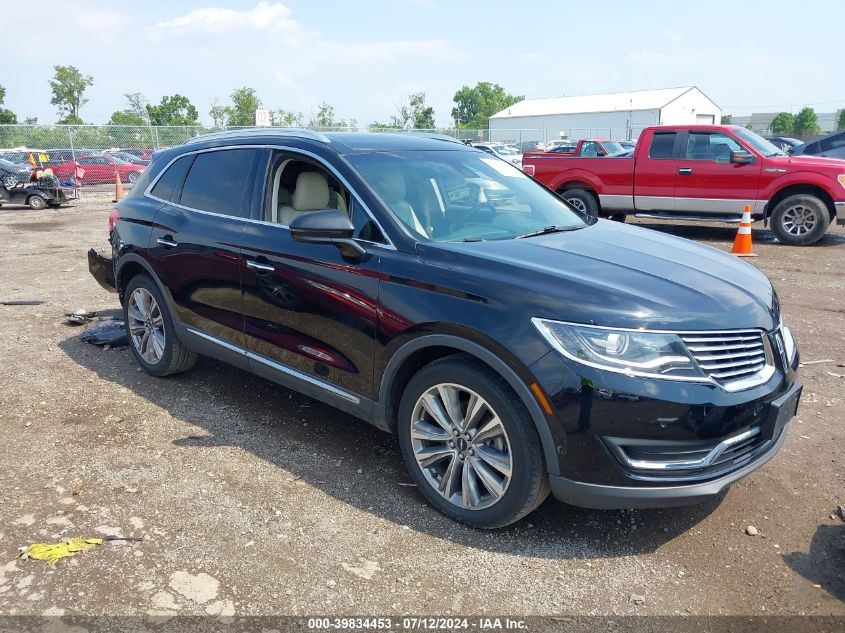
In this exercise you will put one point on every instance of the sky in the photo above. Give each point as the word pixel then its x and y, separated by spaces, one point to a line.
pixel 366 56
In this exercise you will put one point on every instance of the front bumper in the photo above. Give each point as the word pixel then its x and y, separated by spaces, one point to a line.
pixel 102 270
pixel 618 497
pixel 840 212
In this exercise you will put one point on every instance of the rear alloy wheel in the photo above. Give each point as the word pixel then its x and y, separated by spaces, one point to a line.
pixel 150 330
pixel 582 200
pixel 36 202
pixel 470 445
pixel 800 220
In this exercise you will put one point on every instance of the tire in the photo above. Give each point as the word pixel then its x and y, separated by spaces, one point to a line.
pixel 36 203
pixel 513 444
pixel 133 176
pixel 145 327
pixel 582 200
pixel 800 220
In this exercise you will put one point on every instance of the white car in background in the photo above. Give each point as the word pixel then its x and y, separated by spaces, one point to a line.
pixel 500 150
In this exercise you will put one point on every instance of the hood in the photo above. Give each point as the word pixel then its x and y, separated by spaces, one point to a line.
pixel 617 275
pixel 808 161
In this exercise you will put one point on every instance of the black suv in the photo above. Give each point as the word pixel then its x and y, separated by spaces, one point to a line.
pixel 513 344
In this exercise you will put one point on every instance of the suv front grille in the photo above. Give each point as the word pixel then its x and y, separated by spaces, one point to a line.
pixel 662 460
pixel 729 356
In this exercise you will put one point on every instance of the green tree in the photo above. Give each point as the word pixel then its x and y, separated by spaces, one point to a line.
pixel 219 114
pixel 288 118
pixel 806 123
pixel 134 114
pixel 245 102
pixel 376 126
pixel 726 119
pixel 840 121
pixel 68 86
pixel 324 116
pixel 783 123
pixel 477 104
pixel 6 115
pixel 173 110
pixel 422 114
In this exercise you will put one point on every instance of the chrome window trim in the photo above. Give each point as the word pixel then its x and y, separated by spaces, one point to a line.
pixel 761 377
pixel 277 366
pixel 284 148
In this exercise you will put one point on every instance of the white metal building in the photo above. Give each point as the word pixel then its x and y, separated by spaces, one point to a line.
pixel 618 115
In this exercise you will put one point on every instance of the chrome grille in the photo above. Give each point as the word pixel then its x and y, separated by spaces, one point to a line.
pixel 728 356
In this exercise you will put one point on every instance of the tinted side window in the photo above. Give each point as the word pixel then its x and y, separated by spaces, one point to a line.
pixel 662 144
pixel 172 179
pixel 218 180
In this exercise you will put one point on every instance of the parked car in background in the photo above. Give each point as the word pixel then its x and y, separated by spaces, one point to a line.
pixel 145 154
pixel 12 173
pixel 505 152
pixel 628 145
pixel 831 146
pixel 563 149
pixel 784 143
pixel 550 145
pixel 593 148
pixel 703 172
pixel 529 146
pixel 126 156
pixel 514 345
pixel 99 168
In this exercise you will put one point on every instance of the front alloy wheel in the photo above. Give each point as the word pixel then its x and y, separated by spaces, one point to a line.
pixel 461 446
pixel 470 444
pixel 146 326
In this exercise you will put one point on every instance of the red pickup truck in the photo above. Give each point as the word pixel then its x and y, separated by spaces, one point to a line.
pixel 703 172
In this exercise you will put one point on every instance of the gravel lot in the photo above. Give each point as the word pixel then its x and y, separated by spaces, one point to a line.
pixel 255 500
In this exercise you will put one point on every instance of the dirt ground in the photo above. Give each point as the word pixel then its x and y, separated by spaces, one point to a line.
pixel 255 500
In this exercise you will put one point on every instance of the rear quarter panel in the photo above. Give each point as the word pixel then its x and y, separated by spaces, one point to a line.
pixel 607 176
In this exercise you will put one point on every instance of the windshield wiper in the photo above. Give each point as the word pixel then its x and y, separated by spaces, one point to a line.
pixel 546 231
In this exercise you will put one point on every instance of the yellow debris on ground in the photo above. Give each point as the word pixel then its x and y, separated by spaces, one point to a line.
pixel 53 552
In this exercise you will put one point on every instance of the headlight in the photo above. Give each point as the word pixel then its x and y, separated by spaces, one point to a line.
pixel 633 352
pixel 788 343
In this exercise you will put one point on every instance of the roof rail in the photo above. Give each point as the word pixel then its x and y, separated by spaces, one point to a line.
pixel 262 132
pixel 435 136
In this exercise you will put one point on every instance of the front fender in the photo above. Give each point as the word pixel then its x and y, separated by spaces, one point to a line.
pixel 518 377
pixel 825 183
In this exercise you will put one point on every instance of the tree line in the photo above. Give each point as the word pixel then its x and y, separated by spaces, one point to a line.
pixel 473 106
pixel 803 125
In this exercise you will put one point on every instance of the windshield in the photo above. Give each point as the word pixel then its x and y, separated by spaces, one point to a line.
pixel 449 196
pixel 758 142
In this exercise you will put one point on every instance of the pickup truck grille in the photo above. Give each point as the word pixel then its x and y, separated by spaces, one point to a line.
pixel 729 356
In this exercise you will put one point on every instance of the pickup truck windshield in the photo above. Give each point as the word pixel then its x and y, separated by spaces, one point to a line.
pixel 613 147
pixel 455 195
pixel 760 144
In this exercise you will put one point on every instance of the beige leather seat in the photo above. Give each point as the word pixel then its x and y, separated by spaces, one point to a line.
pixel 312 193
pixel 390 185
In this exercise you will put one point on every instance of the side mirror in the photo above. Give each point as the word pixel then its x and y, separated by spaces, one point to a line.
pixel 742 157
pixel 326 227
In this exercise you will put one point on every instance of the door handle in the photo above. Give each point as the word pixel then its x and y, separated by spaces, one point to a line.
pixel 258 266
pixel 685 171
pixel 167 242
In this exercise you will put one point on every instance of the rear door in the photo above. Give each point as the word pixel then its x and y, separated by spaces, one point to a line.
pixel 708 183
pixel 311 313
pixel 655 171
pixel 194 245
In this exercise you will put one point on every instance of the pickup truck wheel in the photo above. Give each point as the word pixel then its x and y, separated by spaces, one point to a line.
pixel 582 200
pixel 800 220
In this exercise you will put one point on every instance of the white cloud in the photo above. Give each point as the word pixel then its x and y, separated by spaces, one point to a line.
pixel 216 20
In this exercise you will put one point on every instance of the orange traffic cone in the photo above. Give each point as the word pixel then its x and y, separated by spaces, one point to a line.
pixel 742 243
pixel 118 187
